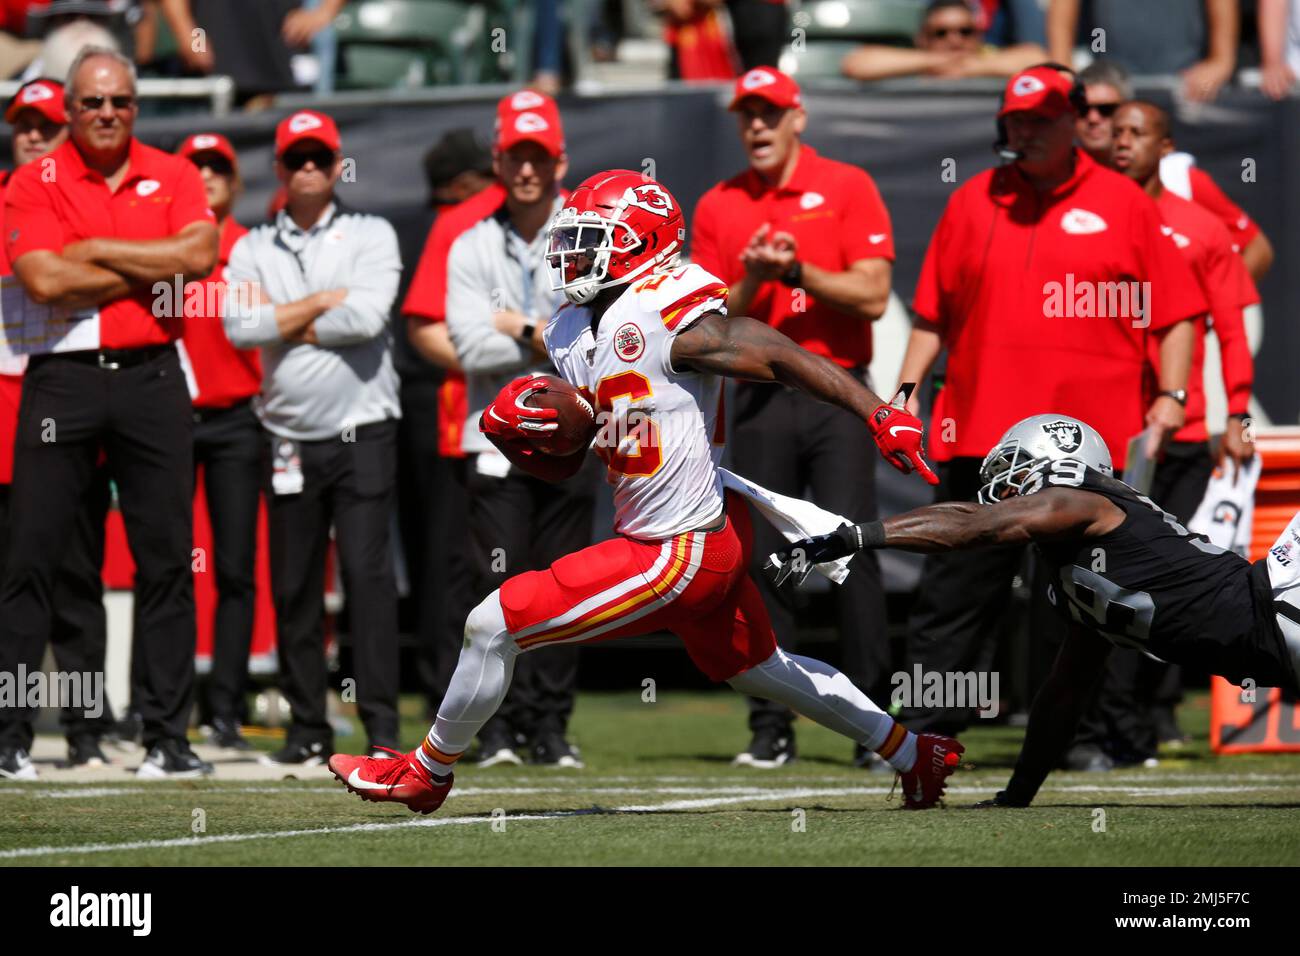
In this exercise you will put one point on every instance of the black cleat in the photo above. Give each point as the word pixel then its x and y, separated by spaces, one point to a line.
pixel 294 754
pixel 16 764
pixel 550 749
pixel 770 747
pixel 172 759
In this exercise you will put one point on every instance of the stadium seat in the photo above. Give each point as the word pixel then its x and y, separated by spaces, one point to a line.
pixel 878 21
pixel 387 43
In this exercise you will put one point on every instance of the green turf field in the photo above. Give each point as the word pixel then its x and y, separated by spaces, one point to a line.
pixel 659 789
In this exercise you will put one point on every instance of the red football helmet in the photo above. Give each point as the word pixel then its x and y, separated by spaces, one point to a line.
pixel 616 226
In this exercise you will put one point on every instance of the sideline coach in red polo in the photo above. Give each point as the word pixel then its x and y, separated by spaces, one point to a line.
pixel 1016 285
pixel 95 231
pixel 805 244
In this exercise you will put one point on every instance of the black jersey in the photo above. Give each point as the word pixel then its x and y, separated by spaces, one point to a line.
pixel 1153 585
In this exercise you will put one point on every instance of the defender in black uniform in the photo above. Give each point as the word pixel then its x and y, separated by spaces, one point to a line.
pixel 1123 570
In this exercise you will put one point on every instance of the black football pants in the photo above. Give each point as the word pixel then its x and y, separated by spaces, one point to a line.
pixel 139 415
pixel 349 485
pixel 793 444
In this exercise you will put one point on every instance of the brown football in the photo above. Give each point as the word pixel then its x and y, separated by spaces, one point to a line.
pixel 577 421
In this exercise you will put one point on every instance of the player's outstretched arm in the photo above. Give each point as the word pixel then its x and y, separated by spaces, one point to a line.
pixel 1052 514
pixel 740 347
pixel 1055 714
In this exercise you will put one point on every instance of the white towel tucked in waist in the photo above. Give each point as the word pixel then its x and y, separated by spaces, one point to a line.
pixel 795 518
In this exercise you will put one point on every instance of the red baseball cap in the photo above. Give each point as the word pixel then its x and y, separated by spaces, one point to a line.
pixel 44 96
pixel 529 116
pixel 1044 90
pixel 208 143
pixel 303 125
pixel 769 84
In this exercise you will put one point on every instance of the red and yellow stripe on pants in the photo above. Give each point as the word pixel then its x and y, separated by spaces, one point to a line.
pixel 581 602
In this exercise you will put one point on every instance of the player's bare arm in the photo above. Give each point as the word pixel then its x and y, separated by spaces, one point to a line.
pixel 743 348
pixel 860 291
pixel 1053 514
pixel 1055 713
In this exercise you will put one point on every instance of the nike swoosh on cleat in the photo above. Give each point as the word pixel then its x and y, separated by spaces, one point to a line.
pixel 354 780
pixel 895 429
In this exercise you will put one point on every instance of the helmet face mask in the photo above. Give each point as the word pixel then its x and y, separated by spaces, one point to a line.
pixel 1017 463
pixel 617 226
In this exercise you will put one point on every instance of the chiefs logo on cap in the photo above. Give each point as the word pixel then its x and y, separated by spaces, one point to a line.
pixel 303 122
pixel 36 94
pixel 531 123
pixel 756 79
pixel 1026 85
pixel 526 100
pixel 203 141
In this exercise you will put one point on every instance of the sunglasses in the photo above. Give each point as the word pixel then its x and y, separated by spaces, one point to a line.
pixel 322 159
pixel 218 164
pixel 940 33
pixel 1106 110
pixel 93 104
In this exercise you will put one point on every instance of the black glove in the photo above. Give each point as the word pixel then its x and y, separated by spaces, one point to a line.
pixel 801 556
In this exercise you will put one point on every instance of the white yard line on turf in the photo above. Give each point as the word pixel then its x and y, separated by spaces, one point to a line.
pixel 667 807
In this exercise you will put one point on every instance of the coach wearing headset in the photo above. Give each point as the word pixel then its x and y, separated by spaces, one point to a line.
pixel 1033 282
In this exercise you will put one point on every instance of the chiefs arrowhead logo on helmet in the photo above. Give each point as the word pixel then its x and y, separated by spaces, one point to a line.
pixel 650 197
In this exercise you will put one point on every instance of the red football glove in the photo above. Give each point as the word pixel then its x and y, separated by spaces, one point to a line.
pixel 898 435
pixel 509 417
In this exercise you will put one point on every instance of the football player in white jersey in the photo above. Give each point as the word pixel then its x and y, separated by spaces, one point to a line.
pixel 647 341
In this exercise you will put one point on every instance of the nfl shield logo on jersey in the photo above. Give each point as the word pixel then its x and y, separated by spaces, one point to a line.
pixel 1068 436
pixel 628 342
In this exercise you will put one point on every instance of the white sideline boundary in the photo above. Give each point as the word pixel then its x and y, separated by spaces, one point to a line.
pixel 756 795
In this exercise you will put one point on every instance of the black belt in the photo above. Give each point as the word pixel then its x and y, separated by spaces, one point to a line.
pixel 109 358
pixel 207 413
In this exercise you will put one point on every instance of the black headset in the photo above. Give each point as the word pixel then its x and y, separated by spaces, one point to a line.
pixel 1077 96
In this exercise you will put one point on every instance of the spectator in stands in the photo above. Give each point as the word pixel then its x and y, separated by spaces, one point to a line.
pixel 1050 220
pixel 1142 136
pixel 434 411
pixel 98 230
pixel 1105 86
pixel 805 244
pixel 949 43
pixel 1195 38
pixel 64 42
pixel 228 445
pixel 499 299
pixel 40 125
pixel 457 167
pixel 249 40
pixel 313 289
pixel 699 40
pixel 118 17
pixel 1279 46
pixel 15 51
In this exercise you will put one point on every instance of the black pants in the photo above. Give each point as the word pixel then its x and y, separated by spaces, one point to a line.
pixel 80 634
pixel 228 444
pixel 959 618
pixel 520 523
pixel 140 416
pixel 1137 694
pixel 788 443
pixel 349 485
pixel 761 30
pixel 433 508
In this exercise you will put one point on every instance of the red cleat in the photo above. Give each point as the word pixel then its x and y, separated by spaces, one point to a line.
pixel 936 758
pixel 397 779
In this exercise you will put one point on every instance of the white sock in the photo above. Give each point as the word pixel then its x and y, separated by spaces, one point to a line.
pixel 477 688
pixel 821 693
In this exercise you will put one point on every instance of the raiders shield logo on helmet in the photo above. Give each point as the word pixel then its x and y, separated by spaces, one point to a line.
pixel 1068 436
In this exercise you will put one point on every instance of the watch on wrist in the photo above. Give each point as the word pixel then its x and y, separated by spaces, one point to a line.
pixel 1179 395
pixel 793 276
pixel 529 330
